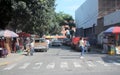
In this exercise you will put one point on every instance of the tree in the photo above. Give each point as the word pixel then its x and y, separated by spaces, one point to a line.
pixel 5 13
pixel 32 16
pixel 38 15
pixel 20 14
pixel 63 18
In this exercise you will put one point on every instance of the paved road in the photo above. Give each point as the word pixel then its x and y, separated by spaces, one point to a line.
pixel 63 61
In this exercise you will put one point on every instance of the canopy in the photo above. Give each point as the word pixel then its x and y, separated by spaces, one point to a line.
pixel 7 33
pixel 24 34
pixel 114 30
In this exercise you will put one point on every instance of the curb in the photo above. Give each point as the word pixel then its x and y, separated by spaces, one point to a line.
pixel 97 50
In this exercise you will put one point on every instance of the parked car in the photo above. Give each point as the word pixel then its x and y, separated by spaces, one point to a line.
pixel 75 42
pixel 40 44
pixel 56 42
pixel 66 41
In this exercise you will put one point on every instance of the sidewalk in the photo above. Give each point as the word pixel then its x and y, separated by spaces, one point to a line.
pixel 97 50
pixel 11 58
pixel 100 52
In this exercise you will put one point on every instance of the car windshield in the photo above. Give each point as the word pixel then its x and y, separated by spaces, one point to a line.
pixel 42 40
pixel 39 40
pixel 36 41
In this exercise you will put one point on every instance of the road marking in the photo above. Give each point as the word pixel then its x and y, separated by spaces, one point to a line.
pixel 64 65
pixel 51 66
pixel 76 64
pixel 10 67
pixel 103 63
pixel 4 63
pixel 38 65
pixel 90 64
pixel 113 62
pixel 24 66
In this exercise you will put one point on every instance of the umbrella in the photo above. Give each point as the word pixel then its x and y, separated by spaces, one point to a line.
pixel 114 30
pixel 7 33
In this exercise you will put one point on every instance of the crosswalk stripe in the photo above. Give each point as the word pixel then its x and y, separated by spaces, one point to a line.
pixel 113 62
pixel 90 64
pixel 10 67
pixel 24 66
pixel 64 65
pixel 38 65
pixel 103 63
pixel 76 64
pixel 50 66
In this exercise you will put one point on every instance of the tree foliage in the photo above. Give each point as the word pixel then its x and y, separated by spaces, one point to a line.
pixel 33 16
pixel 5 13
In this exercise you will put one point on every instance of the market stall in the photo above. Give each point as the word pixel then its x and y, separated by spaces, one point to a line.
pixel 6 42
pixel 113 34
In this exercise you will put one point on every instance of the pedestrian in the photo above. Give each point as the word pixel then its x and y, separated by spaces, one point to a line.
pixel 68 33
pixel 17 45
pixel 14 45
pixel 87 45
pixel 82 47
pixel 25 43
pixel 30 50
pixel 48 43
pixel 31 47
pixel 105 45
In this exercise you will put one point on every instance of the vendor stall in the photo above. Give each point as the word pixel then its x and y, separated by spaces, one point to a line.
pixel 113 34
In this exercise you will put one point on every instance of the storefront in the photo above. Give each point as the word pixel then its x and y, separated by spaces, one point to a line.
pixel 113 34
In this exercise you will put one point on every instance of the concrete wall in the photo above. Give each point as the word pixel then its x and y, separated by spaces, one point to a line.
pixel 86 15
pixel 100 26
pixel 112 18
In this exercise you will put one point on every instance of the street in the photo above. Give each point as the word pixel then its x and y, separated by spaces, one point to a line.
pixel 63 61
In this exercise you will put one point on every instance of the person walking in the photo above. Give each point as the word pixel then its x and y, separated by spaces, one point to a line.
pixel 31 48
pixel 105 45
pixel 87 45
pixel 82 47
pixel 17 45
pixel 48 43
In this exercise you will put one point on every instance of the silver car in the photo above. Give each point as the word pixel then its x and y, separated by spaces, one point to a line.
pixel 56 42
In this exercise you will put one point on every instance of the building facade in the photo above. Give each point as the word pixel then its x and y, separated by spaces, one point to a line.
pixel 86 19
pixel 108 6
pixel 106 15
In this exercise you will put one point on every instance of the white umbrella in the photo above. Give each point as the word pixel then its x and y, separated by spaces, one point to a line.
pixel 8 33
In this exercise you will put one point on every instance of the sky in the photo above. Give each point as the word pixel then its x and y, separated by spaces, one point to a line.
pixel 68 6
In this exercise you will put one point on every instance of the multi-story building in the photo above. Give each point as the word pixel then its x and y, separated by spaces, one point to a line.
pixel 105 16
pixel 86 17
pixel 108 6
pixel 108 11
